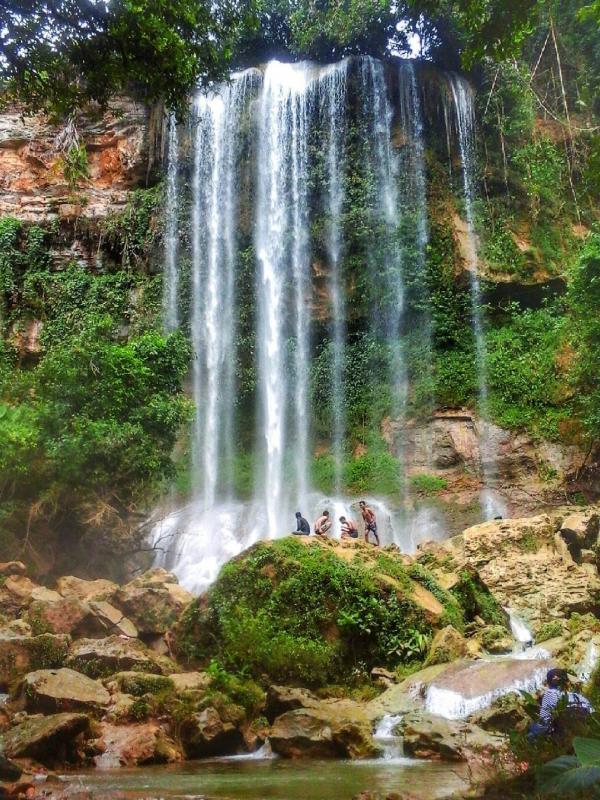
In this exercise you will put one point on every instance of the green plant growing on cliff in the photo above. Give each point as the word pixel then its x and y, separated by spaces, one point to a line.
pixel 75 165
pixel 527 388
pixel 583 299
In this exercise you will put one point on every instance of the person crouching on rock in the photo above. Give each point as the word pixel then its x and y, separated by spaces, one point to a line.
pixel 302 526
pixel 323 524
pixel 558 706
pixel 349 529
pixel 370 521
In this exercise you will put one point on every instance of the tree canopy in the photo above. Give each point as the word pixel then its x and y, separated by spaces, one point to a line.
pixel 56 55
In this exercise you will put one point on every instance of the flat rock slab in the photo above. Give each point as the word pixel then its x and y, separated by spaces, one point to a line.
pixel 46 739
pixel 64 689
pixel 99 658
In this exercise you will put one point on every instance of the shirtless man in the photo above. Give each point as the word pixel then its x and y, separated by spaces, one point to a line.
pixel 370 521
pixel 323 524
pixel 349 529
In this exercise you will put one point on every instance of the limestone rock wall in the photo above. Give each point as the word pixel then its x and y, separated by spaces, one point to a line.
pixel 122 145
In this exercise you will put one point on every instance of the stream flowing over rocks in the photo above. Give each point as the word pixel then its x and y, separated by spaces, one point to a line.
pixel 121 681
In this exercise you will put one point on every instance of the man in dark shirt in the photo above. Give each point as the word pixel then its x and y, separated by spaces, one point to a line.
pixel 302 526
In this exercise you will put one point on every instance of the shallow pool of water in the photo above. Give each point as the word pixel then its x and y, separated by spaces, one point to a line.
pixel 273 780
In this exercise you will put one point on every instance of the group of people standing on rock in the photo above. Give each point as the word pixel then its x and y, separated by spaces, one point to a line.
pixel 324 524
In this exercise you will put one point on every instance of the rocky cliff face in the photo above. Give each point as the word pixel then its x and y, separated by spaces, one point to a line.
pixel 121 146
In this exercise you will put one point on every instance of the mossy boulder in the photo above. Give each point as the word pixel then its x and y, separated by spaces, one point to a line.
pixel 99 658
pixel 448 645
pixel 153 601
pixel 312 612
pixel 22 654
pixel 50 740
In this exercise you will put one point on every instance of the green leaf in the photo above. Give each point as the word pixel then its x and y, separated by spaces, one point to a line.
pixel 587 751
pixel 564 776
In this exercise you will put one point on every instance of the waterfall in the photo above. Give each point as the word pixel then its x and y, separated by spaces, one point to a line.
pixel 520 631
pixel 383 163
pixel 463 107
pixel 171 274
pixel 391 743
pixel 261 154
pixel 214 220
pixel 281 240
pixel 332 95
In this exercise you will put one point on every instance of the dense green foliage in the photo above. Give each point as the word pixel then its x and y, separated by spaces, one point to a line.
pixel 90 421
pixel 57 56
pixel 584 296
pixel 296 612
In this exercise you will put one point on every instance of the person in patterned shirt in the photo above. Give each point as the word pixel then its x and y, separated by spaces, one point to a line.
pixel 558 703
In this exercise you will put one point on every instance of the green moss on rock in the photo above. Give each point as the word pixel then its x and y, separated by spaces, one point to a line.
pixel 313 613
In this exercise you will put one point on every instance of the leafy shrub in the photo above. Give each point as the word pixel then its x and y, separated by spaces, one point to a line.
pixel 548 630
pixel 428 485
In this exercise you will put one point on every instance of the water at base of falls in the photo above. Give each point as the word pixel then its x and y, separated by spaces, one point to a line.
pixel 195 542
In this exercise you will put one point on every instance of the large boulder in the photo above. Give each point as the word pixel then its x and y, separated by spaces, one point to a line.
pixel 207 734
pixel 22 654
pixel 525 563
pixel 79 589
pixel 448 645
pixel 111 620
pixel 431 737
pixel 49 740
pixel 190 681
pixel 330 729
pixel 153 601
pixel 93 619
pixel 133 745
pixel 99 658
pixel 8 568
pixel 62 615
pixel 505 715
pixel 581 528
pixel 17 592
pixel 288 698
pixel 53 690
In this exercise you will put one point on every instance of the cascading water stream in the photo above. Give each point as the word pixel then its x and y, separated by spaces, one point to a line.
pixel 464 115
pixel 332 98
pixel 214 220
pixel 383 163
pixel 281 238
pixel 171 273
pixel 387 739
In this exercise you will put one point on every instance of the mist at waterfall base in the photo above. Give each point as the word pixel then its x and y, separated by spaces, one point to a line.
pixel 274 113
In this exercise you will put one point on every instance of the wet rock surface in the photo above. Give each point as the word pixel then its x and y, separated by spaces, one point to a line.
pixel 49 691
pixel 51 739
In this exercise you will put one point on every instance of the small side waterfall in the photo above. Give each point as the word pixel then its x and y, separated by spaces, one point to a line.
pixel 521 633
pixel 463 107
pixel 171 273
pixel 381 157
pixel 385 737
